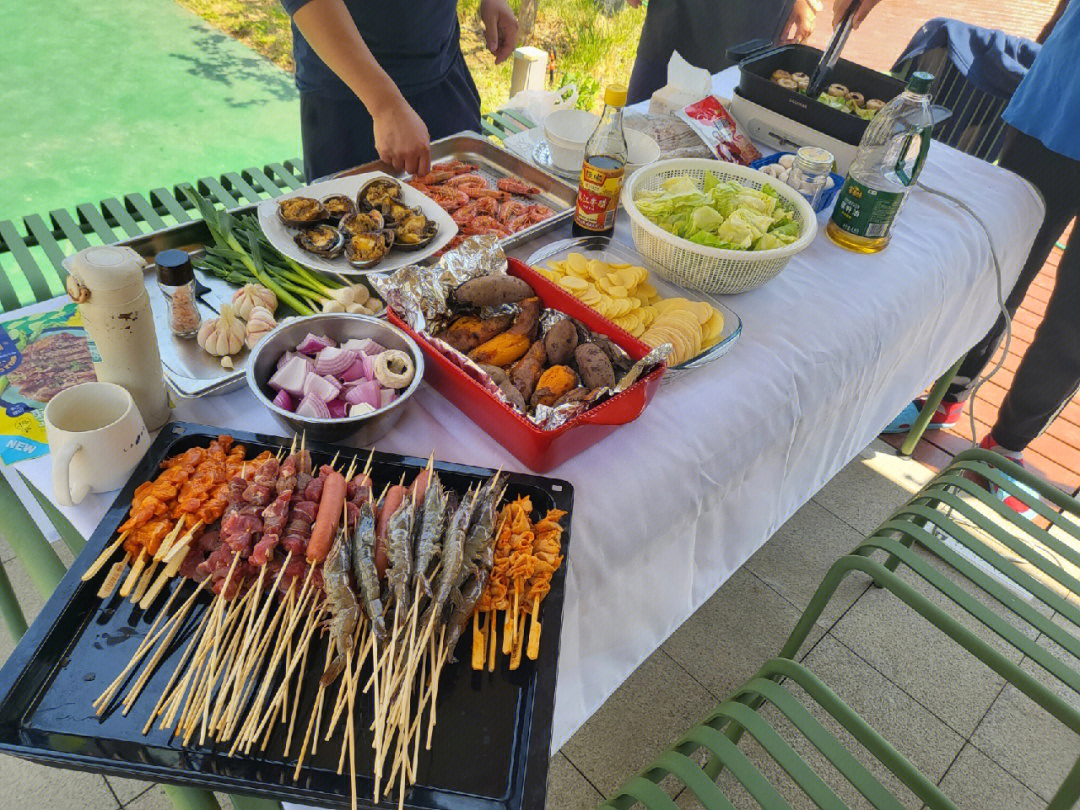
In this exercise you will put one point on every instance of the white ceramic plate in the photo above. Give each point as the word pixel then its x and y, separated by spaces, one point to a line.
pixel 281 236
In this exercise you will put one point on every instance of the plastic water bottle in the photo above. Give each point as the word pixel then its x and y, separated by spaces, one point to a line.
pixel 890 157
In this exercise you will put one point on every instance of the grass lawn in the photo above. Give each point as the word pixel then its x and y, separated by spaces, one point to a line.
pixel 586 46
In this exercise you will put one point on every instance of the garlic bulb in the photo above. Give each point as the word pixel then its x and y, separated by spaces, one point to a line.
pixel 222 335
pixel 260 321
pixel 253 295
pixel 332 305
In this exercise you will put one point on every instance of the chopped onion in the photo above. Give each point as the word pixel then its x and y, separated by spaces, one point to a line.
pixel 285 358
pixel 386 396
pixel 334 361
pixel 325 388
pixel 364 345
pixel 283 400
pixel 367 391
pixel 369 366
pixel 360 409
pixel 355 371
pixel 338 408
pixel 313 344
pixel 291 377
pixel 313 407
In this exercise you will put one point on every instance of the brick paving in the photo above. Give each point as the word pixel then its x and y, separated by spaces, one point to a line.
pixel 877 43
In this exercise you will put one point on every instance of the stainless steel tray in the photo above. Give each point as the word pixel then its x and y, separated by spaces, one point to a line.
pixel 495 162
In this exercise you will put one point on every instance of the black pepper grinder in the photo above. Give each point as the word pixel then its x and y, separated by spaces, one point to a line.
pixel 177 281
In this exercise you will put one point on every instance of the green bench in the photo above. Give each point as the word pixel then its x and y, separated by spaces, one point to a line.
pixel 31 251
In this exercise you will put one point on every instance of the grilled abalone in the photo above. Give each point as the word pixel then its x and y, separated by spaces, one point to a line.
pixel 364 222
pixel 378 194
pixel 300 212
pixel 364 250
pixel 338 206
pixel 413 230
pixel 322 240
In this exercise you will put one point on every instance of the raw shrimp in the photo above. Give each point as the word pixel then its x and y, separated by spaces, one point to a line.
pixel 363 564
pixel 344 610
pixel 432 521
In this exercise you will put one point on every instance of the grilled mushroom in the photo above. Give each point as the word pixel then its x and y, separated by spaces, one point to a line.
pixel 875 104
pixel 856 98
pixel 778 74
pixel 801 79
pixel 788 84
pixel 837 90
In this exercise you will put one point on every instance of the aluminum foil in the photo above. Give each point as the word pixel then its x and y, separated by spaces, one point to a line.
pixel 421 296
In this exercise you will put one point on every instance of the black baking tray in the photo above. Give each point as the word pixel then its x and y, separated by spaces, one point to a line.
pixel 756 85
pixel 491 745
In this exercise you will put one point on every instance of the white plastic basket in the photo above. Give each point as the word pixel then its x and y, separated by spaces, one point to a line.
pixel 712 270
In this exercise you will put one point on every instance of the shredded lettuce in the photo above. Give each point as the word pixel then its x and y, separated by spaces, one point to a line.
pixel 720 214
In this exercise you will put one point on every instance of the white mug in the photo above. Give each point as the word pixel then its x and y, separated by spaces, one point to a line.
pixel 96 437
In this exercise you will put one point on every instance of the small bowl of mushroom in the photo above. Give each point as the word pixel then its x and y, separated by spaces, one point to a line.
pixel 336 376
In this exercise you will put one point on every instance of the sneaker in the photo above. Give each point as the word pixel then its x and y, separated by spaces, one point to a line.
pixel 1010 501
pixel 945 417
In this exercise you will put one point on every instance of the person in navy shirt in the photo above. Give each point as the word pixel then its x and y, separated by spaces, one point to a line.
pixel 1042 145
pixel 381 79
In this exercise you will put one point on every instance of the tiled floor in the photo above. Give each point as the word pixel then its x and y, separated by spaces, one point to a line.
pixel 988 746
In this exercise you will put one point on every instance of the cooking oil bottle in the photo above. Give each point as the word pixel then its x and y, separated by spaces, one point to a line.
pixel 603 169
pixel 891 155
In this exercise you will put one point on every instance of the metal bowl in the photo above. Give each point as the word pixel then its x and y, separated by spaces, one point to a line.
pixel 339 327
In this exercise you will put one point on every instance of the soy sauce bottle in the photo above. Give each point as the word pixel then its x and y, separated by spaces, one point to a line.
pixel 603 169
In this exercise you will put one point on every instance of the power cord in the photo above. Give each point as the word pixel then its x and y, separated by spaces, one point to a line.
pixel 1000 299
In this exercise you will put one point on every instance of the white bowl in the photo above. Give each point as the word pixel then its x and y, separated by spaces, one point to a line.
pixel 567 131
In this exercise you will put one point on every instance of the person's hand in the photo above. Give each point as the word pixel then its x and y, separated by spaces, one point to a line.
pixel 401 138
pixel 865 7
pixel 500 28
pixel 800 23
pixel 634 3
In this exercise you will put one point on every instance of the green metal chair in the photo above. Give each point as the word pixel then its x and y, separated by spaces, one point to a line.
pixel 45 569
pixel 952 508
pixel 500 125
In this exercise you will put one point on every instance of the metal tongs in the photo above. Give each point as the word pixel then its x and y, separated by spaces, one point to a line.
pixel 832 52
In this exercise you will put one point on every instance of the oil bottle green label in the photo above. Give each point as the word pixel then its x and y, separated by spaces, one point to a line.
pixel 864 211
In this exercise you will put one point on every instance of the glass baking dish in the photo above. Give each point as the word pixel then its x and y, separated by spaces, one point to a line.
pixel 607 249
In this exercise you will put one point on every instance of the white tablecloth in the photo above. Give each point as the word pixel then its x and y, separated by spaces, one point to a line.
pixel 671 505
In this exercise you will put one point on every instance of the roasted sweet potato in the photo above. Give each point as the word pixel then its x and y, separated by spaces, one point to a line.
pixel 526 372
pixel 560 342
pixel 500 379
pixel 528 319
pixel 553 383
pixel 469 331
pixel 491 291
pixel 594 366
pixel 501 350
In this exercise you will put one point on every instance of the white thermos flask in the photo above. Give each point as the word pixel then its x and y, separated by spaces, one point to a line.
pixel 109 286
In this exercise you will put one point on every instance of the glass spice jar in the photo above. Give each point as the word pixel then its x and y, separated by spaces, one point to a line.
pixel 810 172
pixel 177 281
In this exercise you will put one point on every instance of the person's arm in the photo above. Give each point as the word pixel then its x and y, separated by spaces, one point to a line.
pixel 800 23
pixel 1052 21
pixel 864 8
pixel 401 138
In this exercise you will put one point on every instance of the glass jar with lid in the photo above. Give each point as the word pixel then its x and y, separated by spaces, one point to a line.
pixel 177 282
pixel 810 172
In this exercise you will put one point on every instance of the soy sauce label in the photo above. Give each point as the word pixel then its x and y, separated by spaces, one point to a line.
pixel 864 211
pixel 598 193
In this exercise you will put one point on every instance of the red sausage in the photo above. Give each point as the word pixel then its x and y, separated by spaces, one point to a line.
pixel 419 487
pixel 394 496
pixel 331 507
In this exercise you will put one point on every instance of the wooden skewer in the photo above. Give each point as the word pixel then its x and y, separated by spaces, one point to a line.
pixel 296 700
pixel 351 731
pixel 282 695
pixel 117 571
pixel 103 557
pixel 144 583
pixel 493 642
pixel 176 550
pixel 133 575
pixel 378 717
pixel 237 660
pixel 435 673
pixel 479 640
pixel 148 641
pixel 229 625
pixel 519 642
pixel 508 633
pixel 170 538
pixel 316 712
pixel 533 649
pixel 151 667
